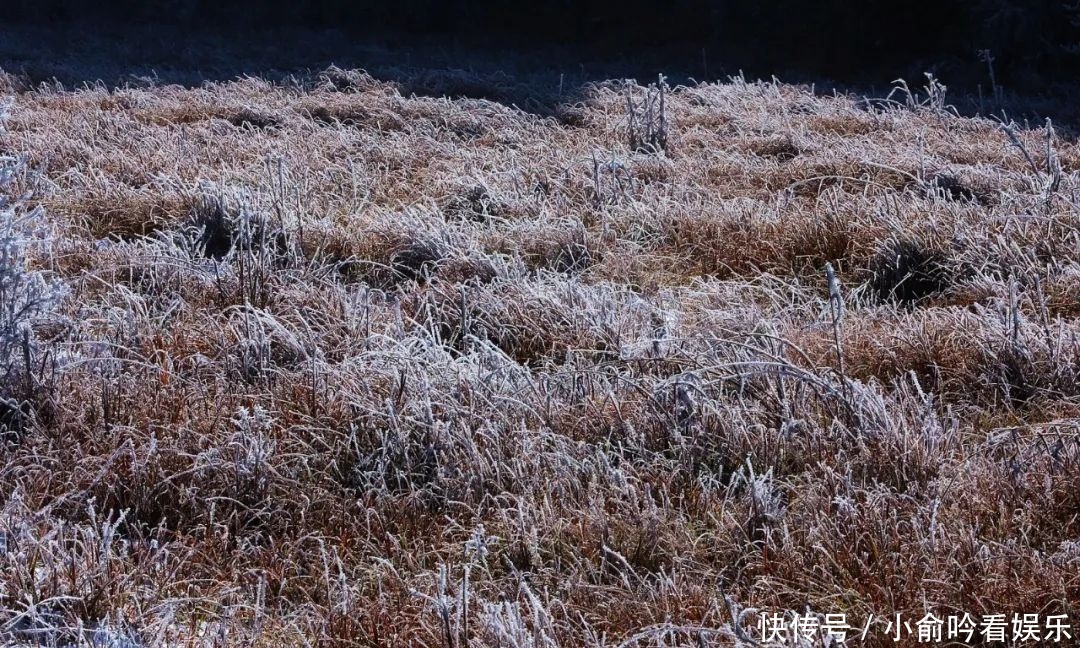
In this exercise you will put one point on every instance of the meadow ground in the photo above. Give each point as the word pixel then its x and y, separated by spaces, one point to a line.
pixel 323 362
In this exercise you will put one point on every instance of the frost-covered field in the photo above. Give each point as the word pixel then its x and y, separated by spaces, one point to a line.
pixel 321 363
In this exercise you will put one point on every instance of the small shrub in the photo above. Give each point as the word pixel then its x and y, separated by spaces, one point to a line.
pixel 27 297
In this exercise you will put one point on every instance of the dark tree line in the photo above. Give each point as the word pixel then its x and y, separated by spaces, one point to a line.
pixel 1034 41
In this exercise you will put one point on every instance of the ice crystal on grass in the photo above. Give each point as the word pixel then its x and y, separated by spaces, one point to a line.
pixel 27 297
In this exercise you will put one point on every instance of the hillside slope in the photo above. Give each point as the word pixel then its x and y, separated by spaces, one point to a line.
pixel 323 364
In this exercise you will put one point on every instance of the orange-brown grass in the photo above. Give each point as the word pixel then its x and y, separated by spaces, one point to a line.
pixel 340 366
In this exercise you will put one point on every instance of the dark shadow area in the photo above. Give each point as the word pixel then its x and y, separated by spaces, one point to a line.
pixel 536 77
pixel 537 66
pixel 1034 43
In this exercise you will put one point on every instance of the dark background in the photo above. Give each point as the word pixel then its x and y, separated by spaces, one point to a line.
pixel 1035 44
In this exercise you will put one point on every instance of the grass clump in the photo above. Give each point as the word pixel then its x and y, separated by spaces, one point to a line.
pixel 906 270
